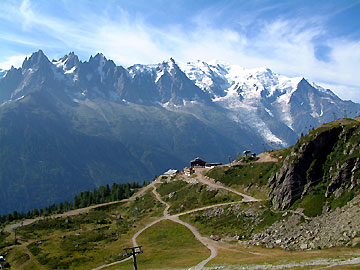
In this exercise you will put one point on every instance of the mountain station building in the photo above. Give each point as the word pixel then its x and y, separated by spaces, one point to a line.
pixel 199 163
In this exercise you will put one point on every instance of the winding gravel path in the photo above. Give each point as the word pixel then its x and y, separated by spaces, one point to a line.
pixel 75 212
pixel 205 241
pixel 208 243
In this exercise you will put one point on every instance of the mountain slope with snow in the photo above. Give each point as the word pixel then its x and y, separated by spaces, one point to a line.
pixel 260 97
pixel 274 106
pixel 67 123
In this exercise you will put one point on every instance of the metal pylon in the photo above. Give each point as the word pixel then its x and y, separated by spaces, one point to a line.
pixel 132 252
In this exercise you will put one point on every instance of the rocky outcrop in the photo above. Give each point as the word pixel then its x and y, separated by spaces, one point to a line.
pixel 299 171
pixel 328 156
pixel 340 227
pixel 343 172
pixel 321 173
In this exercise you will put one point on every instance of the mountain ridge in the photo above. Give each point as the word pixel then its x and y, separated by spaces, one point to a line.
pixel 152 117
pixel 252 97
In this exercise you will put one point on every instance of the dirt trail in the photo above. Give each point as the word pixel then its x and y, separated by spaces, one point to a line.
pixel 266 157
pixel 111 264
pixel 166 215
pixel 205 241
pixel 204 208
pixel 158 197
pixel 75 212
pixel 208 243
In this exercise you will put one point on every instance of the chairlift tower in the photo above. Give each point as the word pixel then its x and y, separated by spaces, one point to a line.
pixel 117 224
pixel 15 229
pixel 132 252
pixel 117 220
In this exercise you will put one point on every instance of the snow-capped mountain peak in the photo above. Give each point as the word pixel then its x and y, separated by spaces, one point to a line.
pixel 156 70
pixel 279 108
pixel 219 78
pixel 255 96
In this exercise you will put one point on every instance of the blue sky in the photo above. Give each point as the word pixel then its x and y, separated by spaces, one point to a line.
pixel 318 39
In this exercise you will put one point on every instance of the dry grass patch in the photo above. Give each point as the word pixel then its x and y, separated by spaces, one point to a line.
pixel 168 245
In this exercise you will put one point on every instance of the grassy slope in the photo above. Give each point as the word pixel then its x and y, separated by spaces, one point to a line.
pixel 250 178
pixel 168 245
pixel 83 241
pixel 241 220
pixel 186 197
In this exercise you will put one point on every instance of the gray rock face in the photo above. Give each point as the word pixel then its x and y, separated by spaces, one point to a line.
pixel 326 156
pixel 343 171
pixel 296 174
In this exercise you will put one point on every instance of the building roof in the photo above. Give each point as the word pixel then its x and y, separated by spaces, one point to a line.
pixel 171 172
pixel 196 159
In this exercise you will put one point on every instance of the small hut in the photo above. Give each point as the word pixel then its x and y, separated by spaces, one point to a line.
pixel 197 163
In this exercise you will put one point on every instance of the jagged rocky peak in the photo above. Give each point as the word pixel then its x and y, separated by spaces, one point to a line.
pixel 169 66
pixel 67 62
pixel 101 64
pixel 155 70
pixel 98 58
pixel 36 60
pixel 305 83
pixel 251 97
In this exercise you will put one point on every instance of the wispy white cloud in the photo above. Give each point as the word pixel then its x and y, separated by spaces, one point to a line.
pixel 15 60
pixel 345 92
pixel 286 46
